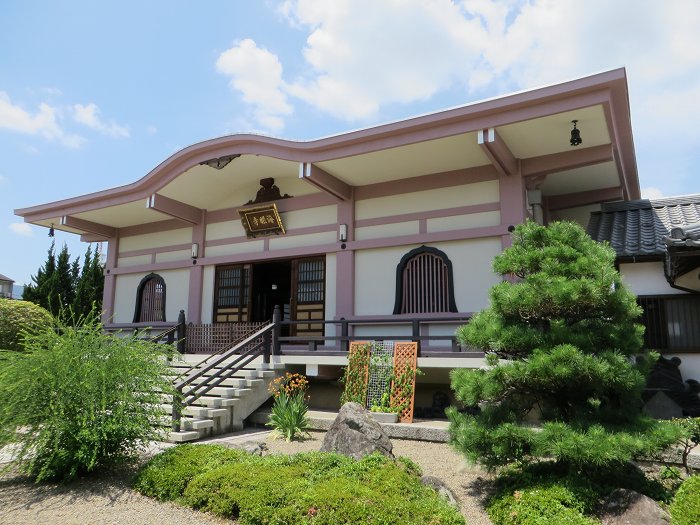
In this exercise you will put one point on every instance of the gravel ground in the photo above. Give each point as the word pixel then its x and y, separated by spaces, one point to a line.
pixel 107 499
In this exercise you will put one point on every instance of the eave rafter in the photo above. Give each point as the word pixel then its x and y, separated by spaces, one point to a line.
pixel 497 151
pixel 99 230
pixel 325 181
pixel 578 158
pixel 583 198
pixel 176 209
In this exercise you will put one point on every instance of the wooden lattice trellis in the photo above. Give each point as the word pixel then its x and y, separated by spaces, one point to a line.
pixel 363 348
pixel 403 388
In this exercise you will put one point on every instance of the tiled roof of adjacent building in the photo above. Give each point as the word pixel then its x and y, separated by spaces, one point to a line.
pixel 637 228
pixel 3 278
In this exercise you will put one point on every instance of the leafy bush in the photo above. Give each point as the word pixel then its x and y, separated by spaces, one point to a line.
pixel 311 487
pixel 685 508
pixel 79 400
pixel 546 505
pixel 553 492
pixel 18 318
pixel 166 475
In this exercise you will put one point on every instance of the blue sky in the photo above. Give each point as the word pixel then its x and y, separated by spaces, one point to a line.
pixel 95 94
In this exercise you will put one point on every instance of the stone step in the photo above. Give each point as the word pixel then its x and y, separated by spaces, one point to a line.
pixel 182 436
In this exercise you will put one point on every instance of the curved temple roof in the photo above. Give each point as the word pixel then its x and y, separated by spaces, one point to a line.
pixel 524 134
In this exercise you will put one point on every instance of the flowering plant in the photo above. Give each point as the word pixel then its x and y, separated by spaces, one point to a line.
pixel 290 384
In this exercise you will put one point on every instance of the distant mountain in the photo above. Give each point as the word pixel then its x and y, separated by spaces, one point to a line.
pixel 17 291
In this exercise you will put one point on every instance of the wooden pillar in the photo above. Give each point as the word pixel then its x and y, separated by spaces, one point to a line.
pixel 110 280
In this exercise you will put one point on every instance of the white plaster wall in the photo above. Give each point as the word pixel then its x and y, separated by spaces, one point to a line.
pixel 382 231
pixel 224 230
pixel 447 329
pixel 295 241
pixel 179 255
pixel 375 274
pixel 155 240
pixel 208 294
pixel 235 249
pixel 647 278
pixel 440 198
pixel 134 261
pixel 310 217
pixel 176 293
pixel 459 222
pixel 690 365
pixel 373 331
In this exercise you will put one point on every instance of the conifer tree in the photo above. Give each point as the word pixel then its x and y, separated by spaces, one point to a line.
pixel 63 287
pixel 564 349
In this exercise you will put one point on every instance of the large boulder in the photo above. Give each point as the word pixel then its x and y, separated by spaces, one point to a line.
pixel 627 507
pixel 355 433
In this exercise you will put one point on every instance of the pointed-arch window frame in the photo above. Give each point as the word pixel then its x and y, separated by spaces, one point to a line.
pixel 424 282
pixel 153 285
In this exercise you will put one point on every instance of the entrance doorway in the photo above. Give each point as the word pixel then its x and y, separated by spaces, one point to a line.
pixel 272 285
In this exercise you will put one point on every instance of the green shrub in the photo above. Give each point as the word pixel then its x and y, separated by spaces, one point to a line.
pixel 544 505
pixel 18 318
pixel 166 475
pixel 78 400
pixel 311 487
pixel 685 508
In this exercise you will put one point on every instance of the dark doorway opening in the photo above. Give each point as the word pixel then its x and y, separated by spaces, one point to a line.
pixel 272 285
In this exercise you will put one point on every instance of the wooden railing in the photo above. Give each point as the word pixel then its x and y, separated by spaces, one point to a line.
pixel 210 338
pixel 339 344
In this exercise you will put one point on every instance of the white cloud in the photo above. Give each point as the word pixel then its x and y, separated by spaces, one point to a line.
pixel 43 123
pixel 88 116
pixel 365 54
pixel 257 74
pixel 21 228
pixel 361 56
pixel 652 193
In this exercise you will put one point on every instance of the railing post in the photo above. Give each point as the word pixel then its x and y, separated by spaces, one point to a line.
pixel 267 343
pixel 177 409
pixel 276 330
pixel 415 324
pixel 344 334
pixel 181 333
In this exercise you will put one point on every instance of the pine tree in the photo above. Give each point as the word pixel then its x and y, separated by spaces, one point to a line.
pixel 564 348
pixel 63 288
pixel 90 284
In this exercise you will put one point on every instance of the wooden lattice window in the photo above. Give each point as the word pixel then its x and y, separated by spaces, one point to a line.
pixel 232 293
pixel 309 295
pixel 150 300
pixel 671 322
pixel 424 283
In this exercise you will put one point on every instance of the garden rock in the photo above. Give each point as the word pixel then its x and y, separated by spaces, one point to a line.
pixel 253 448
pixel 627 507
pixel 439 486
pixel 355 433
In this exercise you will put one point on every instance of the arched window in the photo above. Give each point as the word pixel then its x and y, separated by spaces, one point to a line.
pixel 150 299
pixel 424 283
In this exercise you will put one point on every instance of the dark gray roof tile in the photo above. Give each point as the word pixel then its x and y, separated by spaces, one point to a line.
pixel 638 228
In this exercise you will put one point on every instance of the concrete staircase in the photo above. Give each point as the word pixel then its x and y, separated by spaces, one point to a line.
pixel 225 407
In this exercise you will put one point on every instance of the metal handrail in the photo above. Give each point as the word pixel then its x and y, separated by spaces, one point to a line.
pixel 255 347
